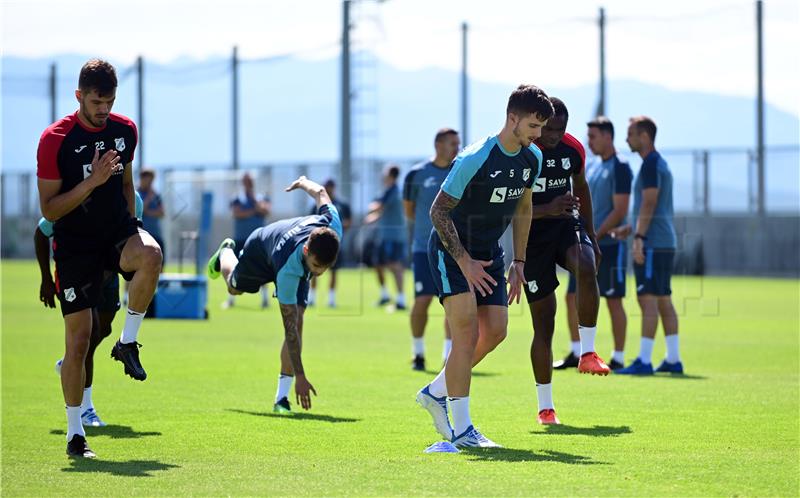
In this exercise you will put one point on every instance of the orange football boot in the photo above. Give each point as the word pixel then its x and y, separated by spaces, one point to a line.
pixel 548 417
pixel 593 364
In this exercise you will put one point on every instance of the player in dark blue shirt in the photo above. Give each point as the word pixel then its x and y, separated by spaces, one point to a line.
pixel 609 180
pixel 288 253
pixel 420 187
pixel 654 245
pixel 344 214
pixel 488 188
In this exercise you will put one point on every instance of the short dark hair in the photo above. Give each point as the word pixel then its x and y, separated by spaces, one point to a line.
pixel 323 243
pixel 559 108
pixel 530 99
pixel 98 75
pixel 330 182
pixel 602 123
pixel 144 172
pixel 442 133
pixel 645 124
pixel 393 171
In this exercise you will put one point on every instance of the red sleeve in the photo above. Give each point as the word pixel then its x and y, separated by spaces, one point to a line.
pixel 575 144
pixel 47 155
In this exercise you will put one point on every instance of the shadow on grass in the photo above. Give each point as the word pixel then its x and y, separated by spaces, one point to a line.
pixel 297 416
pixel 596 431
pixel 515 455
pixel 133 468
pixel 112 431
pixel 667 376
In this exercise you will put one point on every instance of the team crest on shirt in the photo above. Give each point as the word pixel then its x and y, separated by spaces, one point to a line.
pixel 120 143
pixel 526 174
pixel 429 182
pixel 565 164
pixel 69 294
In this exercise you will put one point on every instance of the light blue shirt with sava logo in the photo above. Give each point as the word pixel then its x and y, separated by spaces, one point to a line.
pixel 489 181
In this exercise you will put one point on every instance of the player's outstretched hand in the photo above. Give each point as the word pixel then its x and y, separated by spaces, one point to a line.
pixel 516 278
pixel 297 184
pixel 104 167
pixel 303 390
pixel 476 276
pixel 47 293
pixel 566 204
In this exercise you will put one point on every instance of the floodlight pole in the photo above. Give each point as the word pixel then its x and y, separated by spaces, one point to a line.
pixel 601 105
pixel 140 108
pixel 53 93
pixel 760 203
pixel 235 108
pixel 464 86
pixel 345 165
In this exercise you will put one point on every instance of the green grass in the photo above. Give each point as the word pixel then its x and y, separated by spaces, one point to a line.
pixel 202 424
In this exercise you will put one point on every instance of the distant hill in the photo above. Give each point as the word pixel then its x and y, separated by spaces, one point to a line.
pixel 290 111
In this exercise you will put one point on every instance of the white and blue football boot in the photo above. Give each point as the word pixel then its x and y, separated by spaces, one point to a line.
pixel 437 407
pixel 89 418
pixel 472 438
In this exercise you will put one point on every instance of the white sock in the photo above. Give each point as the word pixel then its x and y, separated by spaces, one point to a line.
pixel 587 338
pixel 284 386
pixel 331 297
pixel 384 292
pixel 673 354
pixel 264 294
pixel 312 295
pixel 448 345
pixel 74 425
pixel 438 387
pixel 87 399
pixel 459 407
pixel 618 356
pixel 419 346
pixel 576 348
pixel 401 299
pixel 646 350
pixel 133 320
pixel 544 392
pixel 230 300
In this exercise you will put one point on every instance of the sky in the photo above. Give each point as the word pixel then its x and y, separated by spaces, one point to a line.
pixel 681 44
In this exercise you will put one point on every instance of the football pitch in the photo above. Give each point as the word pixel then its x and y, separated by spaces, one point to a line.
pixel 202 422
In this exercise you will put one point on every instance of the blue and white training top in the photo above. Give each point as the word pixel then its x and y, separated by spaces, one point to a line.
pixel 489 181
pixel 655 173
pixel 606 179
pixel 421 186
pixel 280 257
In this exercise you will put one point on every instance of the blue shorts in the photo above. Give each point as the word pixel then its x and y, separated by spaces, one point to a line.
pixel 450 281
pixel 655 275
pixel 612 272
pixel 423 278
pixel 391 251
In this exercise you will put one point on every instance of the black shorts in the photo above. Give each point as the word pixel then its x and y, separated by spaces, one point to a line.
pixel 251 272
pixel 550 240
pixel 80 266
pixel 612 273
pixel 109 297
pixel 655 275
pixel 450 281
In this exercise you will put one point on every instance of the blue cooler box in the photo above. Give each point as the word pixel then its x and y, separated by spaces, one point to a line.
pixel 181 296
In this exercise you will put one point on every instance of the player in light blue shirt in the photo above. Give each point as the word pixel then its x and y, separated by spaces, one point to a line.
pixel 609 179
pixel 488 189
pixel 387 213
pixel 288 253
pixel 103 313
pixel 654 244
pixel 420 187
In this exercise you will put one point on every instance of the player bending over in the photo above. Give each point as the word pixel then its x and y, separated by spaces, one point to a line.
pixel 288 253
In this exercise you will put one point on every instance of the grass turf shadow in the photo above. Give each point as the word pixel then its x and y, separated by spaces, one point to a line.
pixel 113 431
pixel 596 431
pixel 132 468
pixel 517 455
pixel 297 416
